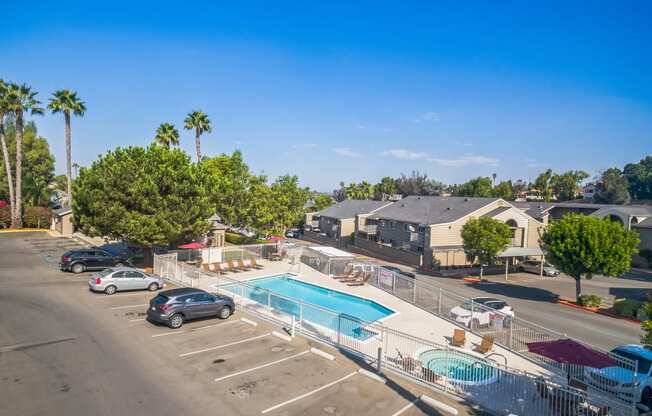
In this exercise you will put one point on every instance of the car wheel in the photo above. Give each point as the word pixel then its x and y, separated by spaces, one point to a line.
pixel 176 321
pixel 224 313
pixel 119 264
pixel 109 290
pixel 646 396
pixel 153 287
pixel 78 268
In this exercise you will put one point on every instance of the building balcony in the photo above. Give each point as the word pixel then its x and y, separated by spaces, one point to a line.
pixel 369 229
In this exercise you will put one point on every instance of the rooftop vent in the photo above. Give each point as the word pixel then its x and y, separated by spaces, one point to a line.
pixel 466 199
pixel 448 208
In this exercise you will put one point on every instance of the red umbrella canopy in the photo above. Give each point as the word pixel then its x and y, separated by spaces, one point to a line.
pixel 193 246
pixel 276 238
pixel 567 351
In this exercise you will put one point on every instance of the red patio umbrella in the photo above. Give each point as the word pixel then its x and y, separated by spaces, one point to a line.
pixel 276 238
pixel 567 351
pixel 195 246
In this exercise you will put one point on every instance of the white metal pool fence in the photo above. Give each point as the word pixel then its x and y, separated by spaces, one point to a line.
pixel 495 387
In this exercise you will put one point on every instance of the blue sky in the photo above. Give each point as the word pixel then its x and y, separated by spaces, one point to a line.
pixel 345 91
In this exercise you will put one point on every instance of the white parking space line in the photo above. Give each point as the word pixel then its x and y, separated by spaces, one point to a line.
pixel 310 393
pixel 138 320
pixel 261 366
pixel 129 306
pixel 188 331
pixel 405 408
pixel 124 295
pixel 224 345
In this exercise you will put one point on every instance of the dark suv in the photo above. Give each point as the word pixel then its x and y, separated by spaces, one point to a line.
pixel 174 307
pixel 77 261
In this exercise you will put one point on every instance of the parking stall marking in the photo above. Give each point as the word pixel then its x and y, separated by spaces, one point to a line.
pixel 310 393
pixel 138 320
pixel 122 295
pixel 405 408
pixel 129 306
pixel 189 331
pixel 262 366
pixel 224 346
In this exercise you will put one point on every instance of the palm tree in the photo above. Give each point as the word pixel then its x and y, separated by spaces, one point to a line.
pixel 37 191
pixel 20 100
pixel 200 122
pixel 167 135
pixel 3 143
pixel 493 180
pixel 67 102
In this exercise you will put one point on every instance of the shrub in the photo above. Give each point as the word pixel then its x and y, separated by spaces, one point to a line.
pixel 590 301
pixel 36 217
pixel 234 238
pixel 627 307
pixel 5 217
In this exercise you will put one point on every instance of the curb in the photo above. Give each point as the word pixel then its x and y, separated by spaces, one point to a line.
pixel 24 230
pixel 437 405
pixel 282 336
pixel 571 304
pixel 471 279
pixel 371 375
pixel 321 353
pixel 249 321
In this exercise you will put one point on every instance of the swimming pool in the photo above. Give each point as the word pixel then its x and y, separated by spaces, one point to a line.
pixel 310 296
pixel 459 367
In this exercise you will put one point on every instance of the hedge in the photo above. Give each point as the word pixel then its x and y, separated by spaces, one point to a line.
pixel 627 307
pixel 33 217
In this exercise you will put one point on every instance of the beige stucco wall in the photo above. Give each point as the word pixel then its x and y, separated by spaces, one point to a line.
pixel 535 229
pixel 451 234
pixel 347 226
pixel 63 224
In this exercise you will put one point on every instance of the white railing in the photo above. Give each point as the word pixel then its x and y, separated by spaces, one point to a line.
pixel 497 388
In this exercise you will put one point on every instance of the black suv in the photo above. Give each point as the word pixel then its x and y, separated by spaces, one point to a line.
pixel 77 261
pixel 174 307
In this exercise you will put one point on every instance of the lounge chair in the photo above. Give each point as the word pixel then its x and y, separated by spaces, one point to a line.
pixel 232 267
pixel 217 268
pixel 362 280
pixel 459 338
pixel 354 277
pixel 242 266
pixel 346 273
pixel 486 345
pixel 255 264
pixel 206 268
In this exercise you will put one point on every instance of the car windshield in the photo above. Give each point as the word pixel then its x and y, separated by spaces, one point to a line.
pixel 643 363
pixel 160 300
pixel 106 272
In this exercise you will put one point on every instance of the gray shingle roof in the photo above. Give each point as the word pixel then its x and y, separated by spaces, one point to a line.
pixel 62 211
pixel 496 211
pixel 349 208
pixel 431 209
pixel 534 209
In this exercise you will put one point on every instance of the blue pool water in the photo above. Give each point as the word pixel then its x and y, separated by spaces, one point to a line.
pixel 458 367
pixel 338 302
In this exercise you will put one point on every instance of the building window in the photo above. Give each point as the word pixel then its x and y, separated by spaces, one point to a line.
pixel 422 229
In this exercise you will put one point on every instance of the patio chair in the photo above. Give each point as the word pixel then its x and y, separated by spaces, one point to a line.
pixel 232 267
pixel 255 264
pixel 348 269
pixel 206 268
pixel 217 268
pixel 459 338
pixel 353 277
pixel 486 345
pixel 242 266
pixel 578 384
pixel 362 280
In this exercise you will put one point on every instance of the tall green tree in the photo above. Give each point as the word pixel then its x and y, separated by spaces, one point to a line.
pixel 582 246
pixel 504 190
pixel 416 183
pixel 67 102
pixel 320 201
pixel 639 176
pixel 21 100
pixel 362 190
pixel 483 238
pixel 200 123
pixel 567 185
pixel 477 187
pixel 612 188
pixel 4 109
pixel 385 188
pixel 543 184
pixel 167 135
pixel 37 161
pixel 148 196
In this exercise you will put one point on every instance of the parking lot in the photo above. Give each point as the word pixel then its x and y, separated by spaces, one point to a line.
pixel 50 249
pixel 237 366
pixel 249 369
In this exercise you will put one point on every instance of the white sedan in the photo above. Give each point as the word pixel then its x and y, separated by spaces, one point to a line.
pixel 482 312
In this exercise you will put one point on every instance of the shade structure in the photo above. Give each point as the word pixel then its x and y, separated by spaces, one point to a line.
pixel 276 238
pixel 195 246
pixel 567 351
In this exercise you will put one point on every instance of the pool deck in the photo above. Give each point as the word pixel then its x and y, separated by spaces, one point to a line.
pixel 407 319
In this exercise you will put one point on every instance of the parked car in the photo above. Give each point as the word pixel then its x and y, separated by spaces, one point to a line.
pixel 484 312
pixel 176 306
pixel 534 266
pixel 623 382
pixel 293 233
pixel 119 279
pixel 81 260
pixel 400 271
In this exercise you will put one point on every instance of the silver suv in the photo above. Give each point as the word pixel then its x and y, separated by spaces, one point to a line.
pixel 116 279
